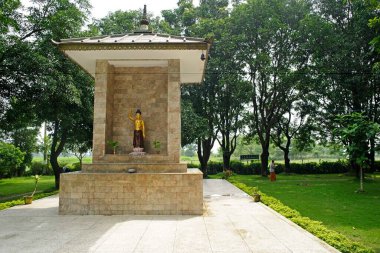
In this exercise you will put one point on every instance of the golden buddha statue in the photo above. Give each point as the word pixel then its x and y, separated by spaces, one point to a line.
pixel 139 130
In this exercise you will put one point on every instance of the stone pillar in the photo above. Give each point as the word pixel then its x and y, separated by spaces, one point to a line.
pixel 102 109
pixel 174 110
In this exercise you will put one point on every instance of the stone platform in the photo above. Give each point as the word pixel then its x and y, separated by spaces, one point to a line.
pixel 126 158
pixel 139 167
pixel 138 193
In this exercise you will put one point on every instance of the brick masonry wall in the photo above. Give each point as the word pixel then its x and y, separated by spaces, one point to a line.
pixel 121 193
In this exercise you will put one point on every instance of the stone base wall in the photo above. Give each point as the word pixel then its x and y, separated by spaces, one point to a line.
pixel 139 193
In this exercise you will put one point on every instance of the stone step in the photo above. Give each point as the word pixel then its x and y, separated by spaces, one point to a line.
pixel 139 167
pixel 126 158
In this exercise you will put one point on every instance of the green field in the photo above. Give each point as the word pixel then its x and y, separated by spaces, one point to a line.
pixel 330 199
pixel 69 159
pixel 14 188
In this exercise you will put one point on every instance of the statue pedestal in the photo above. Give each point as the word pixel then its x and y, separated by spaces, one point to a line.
pixel 137 153
pixel 84 193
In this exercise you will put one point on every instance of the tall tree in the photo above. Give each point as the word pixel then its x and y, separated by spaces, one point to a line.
pixel 342 61
pixel 201 98
pixel 118 22
pixel 294 120
pixel 267 43
pixel 38 80
pixel 180 20
pixel 70 90
pixel 197 22
pixel 193 126
pixel 231 97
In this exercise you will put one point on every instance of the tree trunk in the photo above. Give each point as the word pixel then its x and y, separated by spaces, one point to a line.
pixel 361 179
pixel 355 169
pixel 45 148
pixel 204 153
pixel 80 163
pixel 372 155
pixel 226 160
pixel 55 166
pixel 55 151
pixel 264 161
pixel 287 161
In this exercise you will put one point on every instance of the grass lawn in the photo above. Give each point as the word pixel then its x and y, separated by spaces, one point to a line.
pixel 14 188
pixel 66 160
pixel 330 199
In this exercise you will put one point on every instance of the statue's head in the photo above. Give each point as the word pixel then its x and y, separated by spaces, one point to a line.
pixel 138 114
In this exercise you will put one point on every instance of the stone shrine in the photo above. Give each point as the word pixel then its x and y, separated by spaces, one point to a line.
pixel 140 70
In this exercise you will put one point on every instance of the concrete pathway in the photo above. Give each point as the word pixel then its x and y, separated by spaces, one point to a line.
pixel 232 223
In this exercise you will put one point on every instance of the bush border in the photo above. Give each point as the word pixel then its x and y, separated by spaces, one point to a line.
pixel 331 237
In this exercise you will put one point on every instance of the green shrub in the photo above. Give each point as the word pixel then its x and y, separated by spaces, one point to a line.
pixel 10 158
pixel 331 237
pixel 73 167
pixel 254 168
pixel 40 168
pixel 193 165
pixel 214 168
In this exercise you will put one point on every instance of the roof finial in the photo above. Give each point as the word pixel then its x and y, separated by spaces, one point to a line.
pixel 144 23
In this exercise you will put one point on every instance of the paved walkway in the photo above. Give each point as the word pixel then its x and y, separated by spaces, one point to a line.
pixel 232 223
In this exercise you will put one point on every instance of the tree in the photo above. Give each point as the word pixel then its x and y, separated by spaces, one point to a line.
pixel 180 20
pixel 9 15
pixel 354 132
pixel 10 158
pixel 202 98
pixel 231 97
pixel 70 119
pixel 374 23
pixel 79 149
pixel 193 126
pixel 118 22
pixel 38 80
pixel 267 41
pixel 25 139
pixel 185 20
pixel 294 120
pixel 21 64
pixel 342 61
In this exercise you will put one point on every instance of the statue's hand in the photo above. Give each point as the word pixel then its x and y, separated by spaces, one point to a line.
pixel 144 136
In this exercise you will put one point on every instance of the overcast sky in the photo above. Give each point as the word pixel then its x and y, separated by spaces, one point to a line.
pixel 100 8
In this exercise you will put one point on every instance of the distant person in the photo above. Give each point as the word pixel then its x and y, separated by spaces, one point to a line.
pixel 272 171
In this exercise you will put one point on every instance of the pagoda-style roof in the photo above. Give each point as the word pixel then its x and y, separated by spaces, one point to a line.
pixel 137 38
pixel 124 49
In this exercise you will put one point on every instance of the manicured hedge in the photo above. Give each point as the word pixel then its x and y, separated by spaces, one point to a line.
pixel 333 238
pixel 254 168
